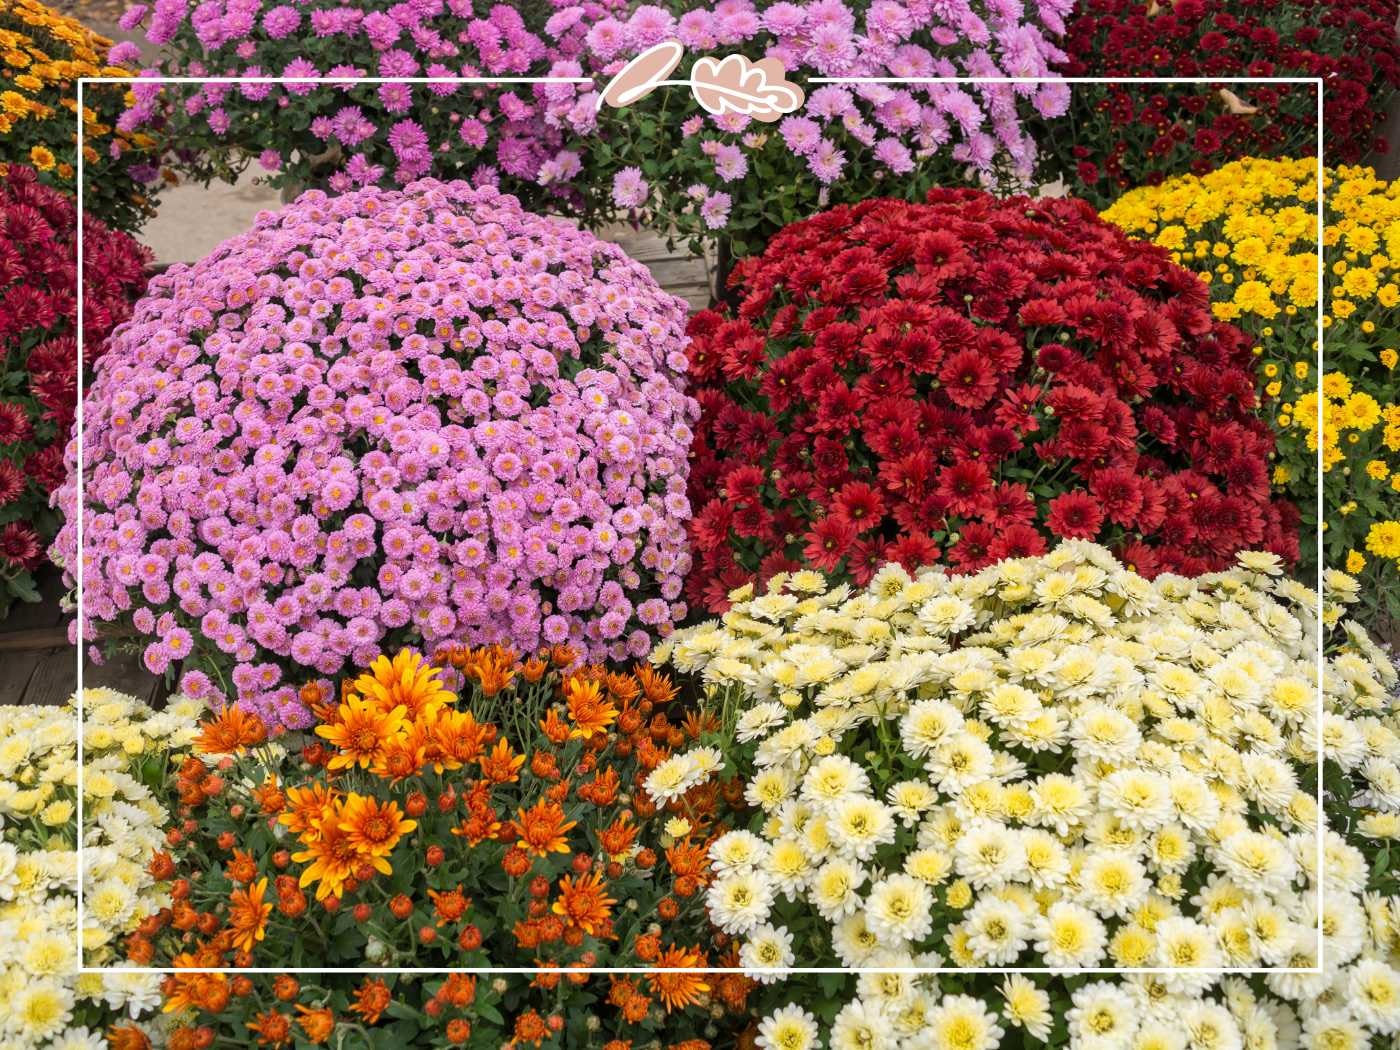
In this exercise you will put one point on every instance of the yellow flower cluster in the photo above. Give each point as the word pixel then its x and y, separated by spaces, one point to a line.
pixel 1054 762
pixel 42 55
pixel 1250 230
pixel 43 1000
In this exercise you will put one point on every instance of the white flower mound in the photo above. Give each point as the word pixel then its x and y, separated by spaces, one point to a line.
pixel 1056 762
pixel 41 991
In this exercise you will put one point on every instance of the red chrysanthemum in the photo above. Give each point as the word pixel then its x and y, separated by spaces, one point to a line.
pixel 965 380
pixel 38 341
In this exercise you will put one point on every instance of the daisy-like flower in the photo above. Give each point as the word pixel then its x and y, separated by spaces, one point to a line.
pixel 767 950
pixel 899 908
pixel 739 902
pixel 1070 935
pixel 961 1022
pixel 997 931
pixel 362 731
pixel 834 888
pixel 859 826
pixel 407 681
pixel 247 915
pixel 1027 1006
pixel 788 1028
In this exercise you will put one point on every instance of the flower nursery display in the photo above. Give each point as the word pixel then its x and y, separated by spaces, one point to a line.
pixel 1122 135
pixel 1250 229
pixel 302 134
pixel 39 353
pixel 1054 762
pixel 44 1001
pixel 965 380
pixel 42 54
pixel 496 823
pixel 386 417
pixel 704 176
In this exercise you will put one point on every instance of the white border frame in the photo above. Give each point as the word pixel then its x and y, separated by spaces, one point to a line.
pixel 1319 969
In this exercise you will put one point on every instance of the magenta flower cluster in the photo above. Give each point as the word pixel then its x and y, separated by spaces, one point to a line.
pixel 843 128
pixel 386 418
pixel 511 134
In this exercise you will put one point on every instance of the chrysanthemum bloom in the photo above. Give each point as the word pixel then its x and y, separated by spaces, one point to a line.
pixel 39 349
pixel 388 418
pixel 967 380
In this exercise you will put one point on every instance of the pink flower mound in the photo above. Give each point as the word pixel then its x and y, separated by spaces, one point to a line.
pixel 387 418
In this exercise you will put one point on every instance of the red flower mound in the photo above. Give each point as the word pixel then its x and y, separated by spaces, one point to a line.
pixel 38 350
pixel 967 380
pixel 1142 133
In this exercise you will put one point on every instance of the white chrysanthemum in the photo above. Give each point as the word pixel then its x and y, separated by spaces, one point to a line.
pixel 989 854
pixel 833 779
pixel 860 826
pixel 960 761
pixel 1139 798
pixel 961 1022
pixel 927 724
pixel 672 778
pixel 788 865
pixel 1258 862
pixel 1104 733
pixel 854 942
pixel 834 888
pixel 769 788
pixel 1070 935
pixel 861 1025
pixel 997 931
pixel 758 721
pixel 1027 1006
pixel 910 799
pixel 739 902
pixel 767 953
pixel 899 907
pixel 1112 882
pixel 1061 802
pixel 1102 1016
pixel 736 851
pixel 1185 944
pixel 788 1028
pixel 1373 994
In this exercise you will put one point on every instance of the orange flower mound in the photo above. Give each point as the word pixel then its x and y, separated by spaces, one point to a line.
pixel 584 904
pixel 247 915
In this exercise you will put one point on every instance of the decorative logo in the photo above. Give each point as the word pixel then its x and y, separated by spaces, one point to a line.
pixel 732 84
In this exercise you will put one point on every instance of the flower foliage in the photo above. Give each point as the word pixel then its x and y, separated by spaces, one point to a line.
pixel 380 417
pixel 1120 136
pixel 42 55
pixel 1055 762
pixel 494 824
pixel 966 379
pixel 1251 230
pixel 388 134
pixel 38 352
pixel 44 1002
pixel 705 175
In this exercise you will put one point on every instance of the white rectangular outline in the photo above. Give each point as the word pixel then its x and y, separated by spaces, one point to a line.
pixel 1319 969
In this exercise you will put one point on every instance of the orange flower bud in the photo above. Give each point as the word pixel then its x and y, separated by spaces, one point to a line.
pixel 285 987
pixel 242 986
pixel 458 1030
pixel 331 904
pixel 434 856
pixel 427 935
pixel 236 810
pixel 646 857
pixel 416 804
pixel 281 858
pixel 362 912
pixel 469 939
pixel 667 908
pixel 539 886
pixel 447 801
pixel 433 1008
pixel 401 907
pixel 226 840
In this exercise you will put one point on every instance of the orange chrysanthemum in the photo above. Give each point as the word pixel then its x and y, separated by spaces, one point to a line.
pixel 273 1028
pixel 374 827
pixel 454 739
pixel 231 732
pixel 406 681
pixel 195 991
pixel 501 765
pixel 371 1000
pixel 362 732
pixel 531 1028
pixel 584 904
pixel 306 806
pixel 588 709
pixel 404 755
pixel 317 1023
pixel 680 981
pixel 656 686
pixel 493 667
pixel 617 838
pixel 331 852
pixel 543 829
pixel 247 915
